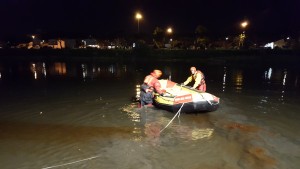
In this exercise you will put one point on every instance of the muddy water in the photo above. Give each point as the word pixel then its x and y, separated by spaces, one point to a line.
pixel 80 115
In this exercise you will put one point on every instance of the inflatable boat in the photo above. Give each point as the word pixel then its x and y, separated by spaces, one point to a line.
pixel 185 99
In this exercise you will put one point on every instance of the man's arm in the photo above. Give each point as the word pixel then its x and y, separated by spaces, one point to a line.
pixel 188 80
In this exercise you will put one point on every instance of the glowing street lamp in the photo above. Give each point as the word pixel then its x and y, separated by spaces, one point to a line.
pixel 33 36
pixel 138 17
pixel 242 36
pixel 244 24
pixel 169 31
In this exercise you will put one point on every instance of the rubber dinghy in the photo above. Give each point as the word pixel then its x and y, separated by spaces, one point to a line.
pixel 188 99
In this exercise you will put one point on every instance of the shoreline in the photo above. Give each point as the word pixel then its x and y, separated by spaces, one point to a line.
pixel 287 57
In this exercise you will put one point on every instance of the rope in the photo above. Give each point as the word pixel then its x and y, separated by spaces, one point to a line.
pixel 208 100
pixel 55 166
pixel 178 113
pixel 200 94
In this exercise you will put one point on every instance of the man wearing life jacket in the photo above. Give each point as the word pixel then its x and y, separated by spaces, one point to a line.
pixel 198 77
pixel 150 84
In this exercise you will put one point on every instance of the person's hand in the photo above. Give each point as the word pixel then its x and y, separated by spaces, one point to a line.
pixel 163 91
pixel 149 90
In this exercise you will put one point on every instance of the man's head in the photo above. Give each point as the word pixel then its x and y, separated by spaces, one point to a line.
pixel 193 70
pixel 157 73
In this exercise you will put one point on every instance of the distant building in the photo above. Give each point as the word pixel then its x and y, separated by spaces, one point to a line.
pixel 280 43
pixel 34 44
pixel 168 45
pixel 22 45
pixel 89 43
pixel 277 44
pixel 70 43
pixel 31 45
pixel 56 44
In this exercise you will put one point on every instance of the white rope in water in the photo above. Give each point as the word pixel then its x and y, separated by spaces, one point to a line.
pixel 55 166
pixel 78 161
pixel 178 113
pixel 207 100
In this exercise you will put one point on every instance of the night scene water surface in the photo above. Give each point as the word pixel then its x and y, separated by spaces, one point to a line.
pixel 56 115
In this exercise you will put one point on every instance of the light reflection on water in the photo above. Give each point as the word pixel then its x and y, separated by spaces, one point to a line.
pixel 87 71
pixel 51 124
pixel 238 80
pixel 224 79
pixel 40 70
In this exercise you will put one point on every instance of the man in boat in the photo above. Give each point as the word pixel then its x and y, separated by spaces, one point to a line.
pixel 198 77
pixel 150 85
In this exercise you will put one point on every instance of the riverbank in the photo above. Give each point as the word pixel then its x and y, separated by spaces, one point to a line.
pixel 248 57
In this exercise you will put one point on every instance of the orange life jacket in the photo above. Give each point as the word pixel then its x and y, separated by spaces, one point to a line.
pixel 152 81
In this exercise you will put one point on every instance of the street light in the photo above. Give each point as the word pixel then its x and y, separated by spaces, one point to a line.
pixel 244 24
pixel 138 16
pixel 242 36
pixel 169 31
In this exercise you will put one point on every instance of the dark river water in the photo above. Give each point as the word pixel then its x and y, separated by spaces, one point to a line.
pixel 81 115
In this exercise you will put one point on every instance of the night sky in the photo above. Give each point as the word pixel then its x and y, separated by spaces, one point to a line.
pixel 116 17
